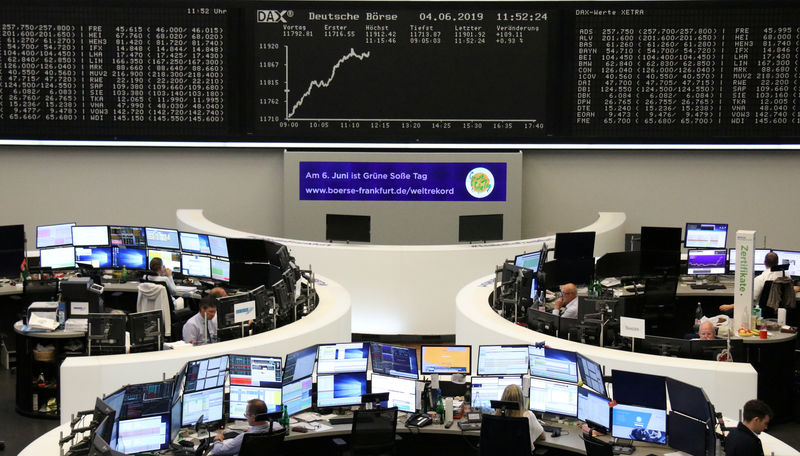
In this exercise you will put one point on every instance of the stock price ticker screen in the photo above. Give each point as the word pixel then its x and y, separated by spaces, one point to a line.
pixel 433 72
pixel 114 71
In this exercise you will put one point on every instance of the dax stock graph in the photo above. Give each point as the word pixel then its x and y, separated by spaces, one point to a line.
pixel 432 74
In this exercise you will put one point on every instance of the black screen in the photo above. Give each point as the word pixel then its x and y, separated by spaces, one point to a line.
pixel 632 388
pixel 686 434
pixel 688 399
pixel 574 246
pixel 473 228
pixel 339 227
pixel 12 249
pixel 247 250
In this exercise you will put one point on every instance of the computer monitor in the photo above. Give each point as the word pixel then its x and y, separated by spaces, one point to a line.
pixel 103 434
pixel 347 357
pixel 633 388
pixel 553 363
pixel 127 236
pixel 594 409
pixel 207 403
pixel 162 238
pixel 706 235
pixel 240 395
pixel 446 359
pixel 664 346
pixel 639 423
pixel 575 245
pixel 758 260
pixel 487 389
pixel 688 399
pixel 150 433
pixel 343 227
pixel 618 264
pixel 591 374
pixel 205 373
pixel 130 258
pixel 247 250
pixel 115 399
pixel 171 259
pixel 219 246
pixel 98 257
pixel 12 249
pixel 706 261
pixel 299 364
pixel 175 420
pixel 247 370
pixel 146 329
pixel 791 258
pixel 57 258
pixel 220 270
pixel 341 389
pixel 228 307
pixel 713 350
pixel 502 360
pixel 54 235
pixel 106 333
pixel 548 396
pixel 528 260
pixel 146 399
pixel 543 322
pixel 90 236
pixel 196 265
pixel 178 384
pixel 103 410
pixel 687 434
pixel 402 391
pixel 660 238
pixel 394 360
pixel 195 243
pixel 297 395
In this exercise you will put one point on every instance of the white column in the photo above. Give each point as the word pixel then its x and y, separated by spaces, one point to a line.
pixel 743 279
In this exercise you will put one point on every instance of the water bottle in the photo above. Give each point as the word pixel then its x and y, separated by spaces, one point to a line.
pixel 698 313
pixel 61 315
pixel 285 420
pixel 440 408
pixel 124 276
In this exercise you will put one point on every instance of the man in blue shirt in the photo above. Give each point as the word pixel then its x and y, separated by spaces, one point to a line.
pixel 255 407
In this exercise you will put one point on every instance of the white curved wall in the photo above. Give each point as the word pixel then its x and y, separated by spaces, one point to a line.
pixel 85 378
pixel 728 385
pixel 408 289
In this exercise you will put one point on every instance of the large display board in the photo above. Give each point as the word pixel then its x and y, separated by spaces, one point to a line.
pixel 401 72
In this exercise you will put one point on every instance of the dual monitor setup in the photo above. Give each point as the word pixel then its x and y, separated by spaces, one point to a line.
pixel 148 417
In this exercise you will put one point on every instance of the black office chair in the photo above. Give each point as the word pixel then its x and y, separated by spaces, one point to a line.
pixel 762 300
pixel 506 435
pixel 597 447
pixel 374 432
pixel 40 290
pixel 265 443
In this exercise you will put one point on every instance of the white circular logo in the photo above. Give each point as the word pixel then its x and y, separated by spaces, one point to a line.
pixel 480 182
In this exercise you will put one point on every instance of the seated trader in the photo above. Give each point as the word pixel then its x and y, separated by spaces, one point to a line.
pixel 567 304
pixel 706 331
pixel 217 292
pixel 255 407
pixel 163 274
pixel 744 441
pixel 513 393
pixel 194 331
pixel 770 261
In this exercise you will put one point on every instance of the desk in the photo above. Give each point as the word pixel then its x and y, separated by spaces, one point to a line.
pixel 7 289
pixel 47 444
pixel 30 396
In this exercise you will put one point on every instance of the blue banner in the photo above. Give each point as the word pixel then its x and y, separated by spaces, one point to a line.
pixel 381 181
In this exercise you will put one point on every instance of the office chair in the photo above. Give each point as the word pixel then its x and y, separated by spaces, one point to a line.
pixel 259 444
pixel 597 447
pixel 40 290
pixel 506 435
pixel 374 432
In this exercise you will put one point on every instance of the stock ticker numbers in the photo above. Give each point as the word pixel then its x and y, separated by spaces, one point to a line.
pixel 104 71
pixel 423 72
pixel 687 72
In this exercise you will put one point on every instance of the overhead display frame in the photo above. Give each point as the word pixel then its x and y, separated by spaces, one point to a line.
pixel 438 73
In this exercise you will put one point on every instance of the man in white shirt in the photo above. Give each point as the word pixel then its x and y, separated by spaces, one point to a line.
pixel 770 261
pixel 163 275
pixel 567 304
pixel 202 327
pixel 255 407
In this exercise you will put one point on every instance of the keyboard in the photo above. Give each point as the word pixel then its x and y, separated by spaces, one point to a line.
pixel 622 449
pixel 229 434
pixel 469 426
pixel 548 428
pixel 707 286
pixel 341 420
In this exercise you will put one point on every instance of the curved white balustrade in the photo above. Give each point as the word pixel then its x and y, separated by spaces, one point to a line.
pixel 407 289
pixel 728 385
pixel 85 378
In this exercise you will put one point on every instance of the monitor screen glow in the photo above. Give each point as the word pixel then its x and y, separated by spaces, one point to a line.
pixel 559 398
pixel 791 258
pixel 553 364
pixel 246 370
pixel 758 259
pixel 220 270
pixel 341 389
pixel 394 360
pixel 98 257
pixel 502 360
pixel 402 391
pixel 639 423
pixel 528 261
pixel 440 359
pixel 131 258
pixel 171 259
pixel 706 261
pixel 127 236
pixel 57 258
pixel 219 246
pixel 162 238
pixel 195 243
pixel 54 235
pixel 143 434
pixel 297 395
pixel 239 395
pixel 90 236
pixel 706 235
pixel 487 389
pixel 348 357
pixel 594 407
pixel 196 265
pixel 299 364
pixel 591 374
pixel 207 403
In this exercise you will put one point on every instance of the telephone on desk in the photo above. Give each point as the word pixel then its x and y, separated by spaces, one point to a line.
pixel 419 420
